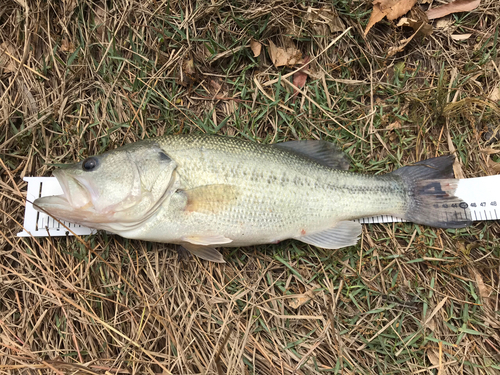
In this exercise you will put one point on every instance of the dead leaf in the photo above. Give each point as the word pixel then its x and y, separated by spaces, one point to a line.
pixel 416 25
pixel 391 9
pixel 489 151
pixel 22 3
pixel 187 72
pixel 327 17
pixel 256 47
pixel 300 77
pixel 453 7
pixel 433 357
pixel 444 23
pixel 395 125
pixel 301 299
pixel 457 167
pixel 400 46
pixel 215 86
pixel 6 62
pixel 484 290
pixel 69 6
pixel 418 21
pixel 188 67
pixel 495 94
pixel 284 57
pixel 67 46
pixel 460 36
pixel 494 166
pixel 100 19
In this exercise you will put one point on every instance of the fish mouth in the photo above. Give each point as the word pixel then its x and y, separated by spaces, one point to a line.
pixel 76 195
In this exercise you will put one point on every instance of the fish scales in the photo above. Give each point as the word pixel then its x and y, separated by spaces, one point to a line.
pixel 278 190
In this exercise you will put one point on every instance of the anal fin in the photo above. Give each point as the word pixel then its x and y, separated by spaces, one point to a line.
pixel 205 252
pixel 345 233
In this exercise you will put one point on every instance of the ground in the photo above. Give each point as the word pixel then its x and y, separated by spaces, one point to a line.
pixel 79 77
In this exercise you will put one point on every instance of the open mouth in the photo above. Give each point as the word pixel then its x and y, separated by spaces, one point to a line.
pixel 75 192
pixel 74 205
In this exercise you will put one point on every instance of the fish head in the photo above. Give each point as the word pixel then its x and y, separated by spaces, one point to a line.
pixel 120 188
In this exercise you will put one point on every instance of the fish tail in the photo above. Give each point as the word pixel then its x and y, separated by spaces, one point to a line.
pixel 431 196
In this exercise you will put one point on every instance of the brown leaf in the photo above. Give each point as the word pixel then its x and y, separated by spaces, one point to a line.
pixel 395 125
pixel 391 9
pixel 418 21
pixel 457 167
pixel 300 77
pixel 444 23
pixel 494 166
pixel 460 36
pixel 6 61
pixel 400 46
pixel 301 299
pixel 489 151
pixel 376 16
pixel 256 47
pixel 433 357
pixel 495 94
pixel 484 290
pixel 188 66
pixel 187 72
pixel 67 46
pixel 69 6
pixel 100 19
pixel 282 57
pixel 325 16
pixel 453 7
pixel 215 86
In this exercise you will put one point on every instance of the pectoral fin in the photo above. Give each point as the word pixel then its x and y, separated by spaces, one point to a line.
pixel 210 198
pixel 205 252
pixel 345 233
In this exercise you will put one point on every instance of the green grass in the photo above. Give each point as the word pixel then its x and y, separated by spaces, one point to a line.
pixel 112 304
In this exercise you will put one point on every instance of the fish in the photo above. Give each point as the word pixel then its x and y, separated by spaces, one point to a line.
pixel 207 191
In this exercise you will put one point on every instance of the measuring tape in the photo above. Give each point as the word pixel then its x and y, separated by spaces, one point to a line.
pixel 481 194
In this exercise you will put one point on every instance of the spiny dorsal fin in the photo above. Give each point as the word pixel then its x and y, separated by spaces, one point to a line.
pixel 322 152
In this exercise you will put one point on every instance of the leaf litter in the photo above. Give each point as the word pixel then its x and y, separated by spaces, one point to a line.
pixel 256 47
pixel 452 7
pixel 7 52
pixel 300 76
pixel 391 9
pixel 107 305
pixel 284 56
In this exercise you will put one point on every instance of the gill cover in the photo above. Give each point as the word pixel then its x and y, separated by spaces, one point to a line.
pixel 114 191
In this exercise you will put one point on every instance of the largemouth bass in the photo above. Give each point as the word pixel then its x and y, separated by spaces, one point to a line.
pixel 204 192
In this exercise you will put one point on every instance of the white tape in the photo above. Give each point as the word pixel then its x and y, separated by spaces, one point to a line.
pixel 38 224
pixel 482 195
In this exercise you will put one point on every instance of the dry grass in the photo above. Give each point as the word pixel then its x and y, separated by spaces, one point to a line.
pixel 82 77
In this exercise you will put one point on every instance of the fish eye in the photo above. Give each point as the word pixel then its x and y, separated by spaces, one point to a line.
pixel 89 164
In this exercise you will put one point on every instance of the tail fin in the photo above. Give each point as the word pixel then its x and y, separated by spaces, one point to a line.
pixel 431 188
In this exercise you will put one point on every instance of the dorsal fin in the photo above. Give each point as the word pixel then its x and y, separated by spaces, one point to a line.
pixel 322 152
